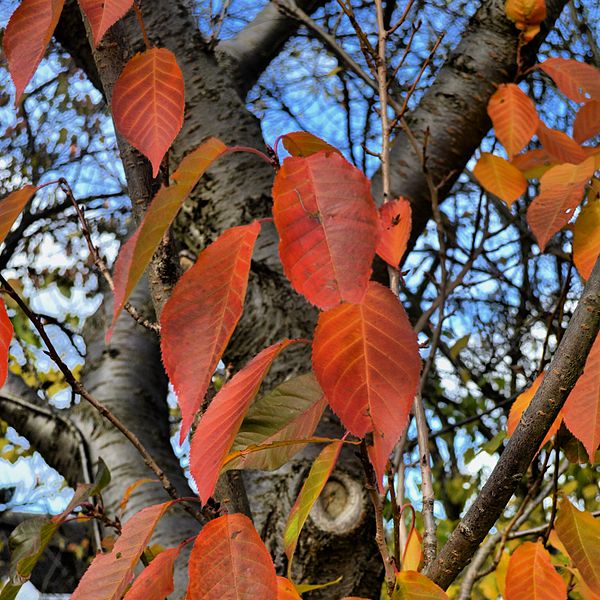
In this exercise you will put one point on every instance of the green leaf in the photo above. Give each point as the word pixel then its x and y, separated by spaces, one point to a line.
pixel 102 478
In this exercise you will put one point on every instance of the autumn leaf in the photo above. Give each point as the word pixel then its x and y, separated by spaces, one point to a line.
pixel 514 117
pixel 581 411
pixel 155 582
pixel 587 122
pixel 6 333
pixel 311 489
pixel 26 37
pixel 396 223
pixel 230 562
pixel 411 585
pixel 138 250
pixel 533 163
pixel 291 411
pixel 148 103
pixel 580 534
pixel 413 552
pixel 286 590
pixel 561 190
pixel 575 79
pixel 527 15
pixel 328 227
pixel 12 206
pixel 302 143
pixel 531 575
pixel 103 14
pixel 209 298
pixel 559 146
pixel 110 574
pixel 586 235
pixel 366 359
pixel 520 405
pixel 500 178
pixel 216 432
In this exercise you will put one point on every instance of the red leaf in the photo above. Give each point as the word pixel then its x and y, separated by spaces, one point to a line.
pixel 328 227
pixel 531 575
pixel 155 582
pixel 103 14
pixel 587 122
pixel 559 146
pixel 286 590
pixel 581 411
pixel 586 234
pixel 500 178
pixel 311 489
pixel 230 562
pixel 561 190
pixel 219 425
pixel 576 80
pixel 139 248
pixel 109 574
pixel 11 207
pixel 209 298
pixel 26 37
pixel 6 333
pixel 302 143
pixel 396 221
pixel 366 359
pixel 514 117
pixel 533 163
pixel 148 103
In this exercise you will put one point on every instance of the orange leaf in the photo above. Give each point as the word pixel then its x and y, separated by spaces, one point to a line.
pixel 576 80
pixel 103 14
pixel 559 146
pixel 521 404
pixel 366 359
pixel 148 103
pixel 155 582
pixel 586 236
pixel 328 227
pixel 413 552
pixel 219 425
pixel 581 411
pixel 302 143
pixel 230 562
pixel 139 248
pixel 587 122
pixel 6 333
pixel 209 298
pixel 580 534
pixel 411 585
pixel 533 163
pixel 561 190
pixel 286 590
pixel 109 574
pixel 11 207
pixel 531 575
pixel 396 223
pixel 311 489
pixel 26 37
pixel 500 178
pixel 514 117
pixel 527 16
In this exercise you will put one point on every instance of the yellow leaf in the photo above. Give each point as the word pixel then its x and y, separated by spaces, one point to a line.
pixel 586 236
pixel 527 16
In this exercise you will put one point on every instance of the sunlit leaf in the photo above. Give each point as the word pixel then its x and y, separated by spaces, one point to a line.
pixel 586 236
pixel 413 552
pixel 581 411
pixel 580 533
pixel 587 122
pixel 411 585
pixel 559 146
pixel 514 117
pixel 12 206
pixel 527 15
pixel 577 80
pixel 531 575
pixel 291 411
pixel 109 575
pixel 396 223
pixel 533 163
pixel 138 250
pixel 102 14
pixel 500 178
pixel 6 333
pixel 366 359
pixel 286 590
pixel 216 432
pixel 208 299
pixel 26 37
pixel 230 562
pixel 155 582
pixel 328 227
pixel 311 489
pixel 561 190
pixel 148 103
pixel 302 143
